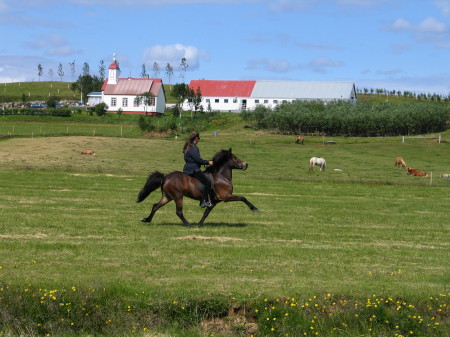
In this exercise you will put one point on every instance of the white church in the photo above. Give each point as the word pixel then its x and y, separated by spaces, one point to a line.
pixel 121 93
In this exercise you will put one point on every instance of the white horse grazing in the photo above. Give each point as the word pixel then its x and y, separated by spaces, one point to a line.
pixel 315 161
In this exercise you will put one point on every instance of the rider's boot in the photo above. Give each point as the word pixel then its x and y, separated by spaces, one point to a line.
pixel 205 200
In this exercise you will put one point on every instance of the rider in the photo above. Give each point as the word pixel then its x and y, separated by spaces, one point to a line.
pixel 192 166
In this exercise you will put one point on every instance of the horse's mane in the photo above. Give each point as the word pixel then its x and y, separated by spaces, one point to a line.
pixel 219 159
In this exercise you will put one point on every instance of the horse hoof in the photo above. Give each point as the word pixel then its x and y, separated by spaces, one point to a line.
pixel 145 220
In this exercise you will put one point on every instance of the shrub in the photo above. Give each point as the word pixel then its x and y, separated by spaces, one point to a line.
pixel 346 119
pixel 100 109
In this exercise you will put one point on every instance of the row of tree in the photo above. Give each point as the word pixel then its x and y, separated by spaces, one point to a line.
pixel 406 93
pixel 87 83
pixel 346 119
pixel 169 70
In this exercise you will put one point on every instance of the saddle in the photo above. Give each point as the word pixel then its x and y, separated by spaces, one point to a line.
pixel 211 181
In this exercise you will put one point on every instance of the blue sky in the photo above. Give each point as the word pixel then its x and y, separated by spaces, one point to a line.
pixel 390 44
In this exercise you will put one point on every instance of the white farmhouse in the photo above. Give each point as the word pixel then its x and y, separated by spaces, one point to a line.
pixel 121 93
pixel 235 96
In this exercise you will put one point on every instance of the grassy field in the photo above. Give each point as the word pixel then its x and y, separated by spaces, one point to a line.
pixel 361 232
pixel 41 91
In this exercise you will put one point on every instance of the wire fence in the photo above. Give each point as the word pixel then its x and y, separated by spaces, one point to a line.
pixel 32 130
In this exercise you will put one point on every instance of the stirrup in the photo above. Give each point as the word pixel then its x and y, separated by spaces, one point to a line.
pixel 204 203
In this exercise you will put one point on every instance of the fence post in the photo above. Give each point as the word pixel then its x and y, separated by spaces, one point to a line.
pixel 403 139
pixel 440 139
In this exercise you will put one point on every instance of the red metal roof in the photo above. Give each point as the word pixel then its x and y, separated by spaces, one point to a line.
pixel 133 86
pixel 223 88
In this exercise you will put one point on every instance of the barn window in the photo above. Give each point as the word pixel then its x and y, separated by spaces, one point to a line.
pixel 113 101
pixel 266 101
pixel 124 101
pixel 275 101
pixel 234 100
pixel 208 100
pixel 225 100
pixel 135 102
pixel 152 101
pixel 256 101
pixel 216 100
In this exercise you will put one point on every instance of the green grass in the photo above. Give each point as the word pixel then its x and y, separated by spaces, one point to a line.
pixel 366 232
pixel 36 91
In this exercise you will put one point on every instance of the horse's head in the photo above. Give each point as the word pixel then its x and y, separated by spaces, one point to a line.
pixel 236 162
pixel 228 159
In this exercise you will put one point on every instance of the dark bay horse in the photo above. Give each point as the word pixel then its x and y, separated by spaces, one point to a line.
pixel 176 185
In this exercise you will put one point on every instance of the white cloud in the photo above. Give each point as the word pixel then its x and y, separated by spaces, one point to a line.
pixel 17 68
pixel 429 31
pixel 444 5
pixel 142 3
pixel 52 44
pixel 272 65
pixel 400 47
pixel 4 6
pixel 291 5
pixel 400 25
pixel 438 84
pixel 173 53
pixel 321 64
pixel 315 46
pixel 391 72
pixel 360 3
pixel 431 25
pixel 62 51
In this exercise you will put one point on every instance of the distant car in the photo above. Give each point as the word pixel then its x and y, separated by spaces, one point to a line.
pixel 38 105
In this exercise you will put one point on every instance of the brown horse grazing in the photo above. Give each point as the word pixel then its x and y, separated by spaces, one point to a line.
pixel 399 162
pixel 176 185
pixel 417 173
pixel 91 152
pixel 299 140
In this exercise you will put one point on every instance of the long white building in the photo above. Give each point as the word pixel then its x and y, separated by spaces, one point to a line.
pixel 235 96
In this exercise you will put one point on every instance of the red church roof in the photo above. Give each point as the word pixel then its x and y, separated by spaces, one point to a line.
pixel 114 65
pixel 133 86
pixel 223 88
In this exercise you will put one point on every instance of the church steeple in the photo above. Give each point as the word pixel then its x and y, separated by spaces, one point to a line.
pixel 113 71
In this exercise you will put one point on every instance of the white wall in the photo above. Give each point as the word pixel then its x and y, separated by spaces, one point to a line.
pixel 236 104
pixel 158 107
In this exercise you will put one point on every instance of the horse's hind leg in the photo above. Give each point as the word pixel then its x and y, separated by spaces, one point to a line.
pixel 179 211
pixel 155 207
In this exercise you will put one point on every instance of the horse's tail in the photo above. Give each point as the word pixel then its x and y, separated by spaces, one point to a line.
pixel 153 182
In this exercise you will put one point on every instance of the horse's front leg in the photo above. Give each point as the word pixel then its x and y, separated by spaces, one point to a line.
pixel 240 198
pixel 206 213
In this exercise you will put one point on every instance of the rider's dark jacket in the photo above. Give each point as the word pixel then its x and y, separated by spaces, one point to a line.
pixel 193 160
